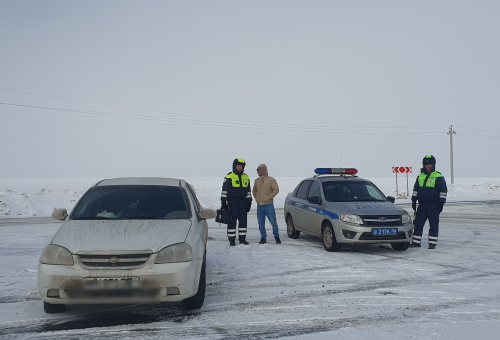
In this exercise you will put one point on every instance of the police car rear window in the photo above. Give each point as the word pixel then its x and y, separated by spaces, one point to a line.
pixel 345 191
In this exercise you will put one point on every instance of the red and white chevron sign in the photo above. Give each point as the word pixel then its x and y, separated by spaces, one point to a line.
pixel 401 169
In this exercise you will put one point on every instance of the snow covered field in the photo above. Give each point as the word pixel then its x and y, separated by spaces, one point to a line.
pixel 37 197
pixel 295 289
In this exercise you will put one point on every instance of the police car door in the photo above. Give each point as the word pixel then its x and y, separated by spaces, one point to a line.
pixel 312 218
pixel 300 205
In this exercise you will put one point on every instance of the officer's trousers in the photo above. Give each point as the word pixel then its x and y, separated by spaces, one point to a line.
pixel 427 211
pixel 238 211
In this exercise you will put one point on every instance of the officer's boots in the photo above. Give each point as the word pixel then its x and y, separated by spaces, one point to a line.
pixel 243 241
pixel 432 246
pixel 415 245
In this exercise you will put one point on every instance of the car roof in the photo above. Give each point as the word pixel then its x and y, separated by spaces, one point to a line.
pixel 174 182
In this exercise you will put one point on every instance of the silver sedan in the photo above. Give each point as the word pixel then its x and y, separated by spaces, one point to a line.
pixel 341 208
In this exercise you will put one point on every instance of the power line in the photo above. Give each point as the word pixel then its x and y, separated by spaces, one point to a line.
pixel 235 123
pixel 468 128
pixel 480 136
pixel 223 120
pixel 272 127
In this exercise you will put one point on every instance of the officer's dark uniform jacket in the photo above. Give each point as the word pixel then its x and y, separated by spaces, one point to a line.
pixel 430 186
pixel 236 192
pixel 236 185
pixel 430 191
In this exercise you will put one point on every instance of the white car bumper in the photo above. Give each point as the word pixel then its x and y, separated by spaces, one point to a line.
pixel 171 282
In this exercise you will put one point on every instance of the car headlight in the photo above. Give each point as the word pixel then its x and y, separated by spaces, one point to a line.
pixel 405 218
pixel 351 218
pixel 180 252
pixel 54 254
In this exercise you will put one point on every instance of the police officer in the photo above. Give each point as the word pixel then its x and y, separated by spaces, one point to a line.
pixel 430 191
pixel 236 197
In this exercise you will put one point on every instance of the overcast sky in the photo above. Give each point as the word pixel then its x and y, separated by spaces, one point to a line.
pixel 405 65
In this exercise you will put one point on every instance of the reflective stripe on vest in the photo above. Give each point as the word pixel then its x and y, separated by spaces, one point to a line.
pixel 236 180
pixel 431 181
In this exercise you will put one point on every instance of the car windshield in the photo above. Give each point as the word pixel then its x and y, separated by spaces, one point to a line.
pixel 358 191
pixel 133 202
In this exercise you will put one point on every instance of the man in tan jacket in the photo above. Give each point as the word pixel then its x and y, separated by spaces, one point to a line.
pixel 265 189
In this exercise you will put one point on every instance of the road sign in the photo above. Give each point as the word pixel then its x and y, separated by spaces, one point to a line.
pixel 401 169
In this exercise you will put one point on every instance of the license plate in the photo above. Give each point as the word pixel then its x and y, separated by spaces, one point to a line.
pixel 385 231
pixel 111 282
pixel 111 278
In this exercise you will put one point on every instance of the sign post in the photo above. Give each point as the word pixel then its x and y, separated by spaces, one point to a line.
pixel 402 170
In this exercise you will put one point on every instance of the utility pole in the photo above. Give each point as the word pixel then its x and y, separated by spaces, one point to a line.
pixel 451 132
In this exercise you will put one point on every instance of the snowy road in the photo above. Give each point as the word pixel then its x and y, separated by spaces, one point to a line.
pixel 294 289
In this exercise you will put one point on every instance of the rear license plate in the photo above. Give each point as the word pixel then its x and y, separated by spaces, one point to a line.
pixel 385 231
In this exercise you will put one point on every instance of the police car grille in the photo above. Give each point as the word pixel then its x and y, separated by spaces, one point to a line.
pixel 382 221
pixel 121 261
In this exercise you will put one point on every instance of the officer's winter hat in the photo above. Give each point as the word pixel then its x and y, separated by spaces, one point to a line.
pixel 239 161
pixel 429 159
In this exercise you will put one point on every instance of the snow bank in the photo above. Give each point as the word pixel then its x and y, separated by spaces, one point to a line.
pixel 37 197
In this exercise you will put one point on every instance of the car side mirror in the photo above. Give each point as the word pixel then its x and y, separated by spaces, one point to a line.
pixel 207 214
pixel 391 199
pixel 60 214
pixel 314 200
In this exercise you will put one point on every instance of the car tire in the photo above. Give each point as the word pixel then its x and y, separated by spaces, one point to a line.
pixel 52 308
pixel 401 246
pixel 196 301
pixel 290 228
pixel 328 237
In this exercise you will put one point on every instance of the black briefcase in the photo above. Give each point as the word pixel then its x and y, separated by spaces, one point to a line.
pixel 223 216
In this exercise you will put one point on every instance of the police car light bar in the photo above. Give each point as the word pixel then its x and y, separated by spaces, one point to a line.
pixel 335 171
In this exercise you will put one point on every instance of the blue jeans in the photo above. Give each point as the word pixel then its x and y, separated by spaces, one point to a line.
pixel 262 212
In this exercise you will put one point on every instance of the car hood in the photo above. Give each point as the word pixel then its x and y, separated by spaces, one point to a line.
pixel 121 235
pixel 366 208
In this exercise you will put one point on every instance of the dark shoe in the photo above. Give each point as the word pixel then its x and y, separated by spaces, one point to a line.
pixel 262 241
pixel 232 243
pixel 432 246
pixel 278 241
pixel 415 245
pixel 244 242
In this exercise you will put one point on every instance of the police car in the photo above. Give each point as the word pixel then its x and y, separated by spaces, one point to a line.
pixel 341 208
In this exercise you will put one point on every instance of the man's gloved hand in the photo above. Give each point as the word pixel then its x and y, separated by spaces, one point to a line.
pixel 224 206
pixel 440 207
pixel 249 205
pixel 414 205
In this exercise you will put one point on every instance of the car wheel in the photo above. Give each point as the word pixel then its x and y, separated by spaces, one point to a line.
pixel 329 240
pixel 290 228
pixel 196 301
pixel 402 246
pixel 51 308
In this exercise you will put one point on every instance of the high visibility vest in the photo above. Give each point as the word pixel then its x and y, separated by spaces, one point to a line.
pixel 431 179
pixel 235 180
